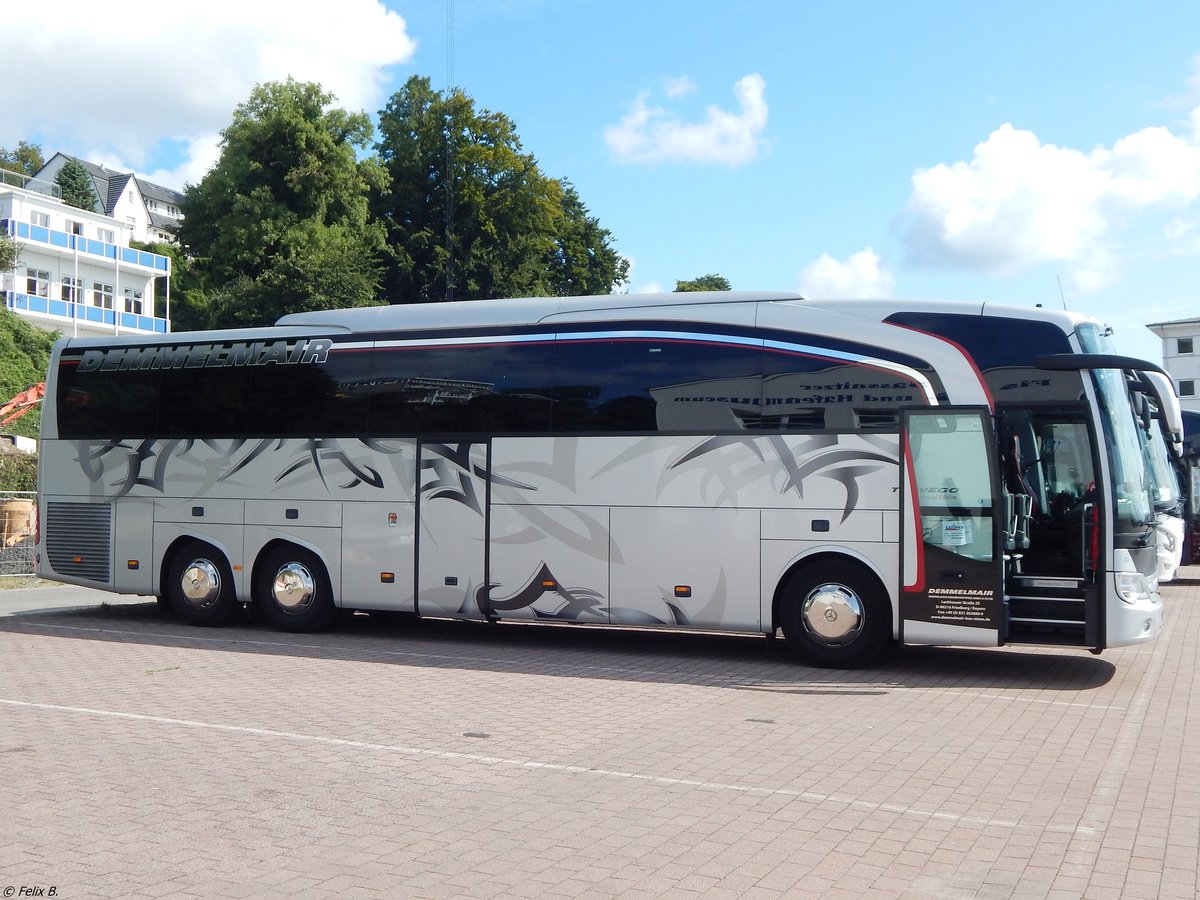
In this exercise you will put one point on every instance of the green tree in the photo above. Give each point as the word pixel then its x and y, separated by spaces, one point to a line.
pixel 282 222
pixel 10 252
pixel 18 471
pixel 24 356
pixel 26 158
pixel 188 299
pixel 584 260
pixel 703 283
pixel 470 215
pixel 76 185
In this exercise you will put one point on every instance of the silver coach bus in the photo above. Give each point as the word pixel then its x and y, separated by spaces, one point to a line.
pixel 735 462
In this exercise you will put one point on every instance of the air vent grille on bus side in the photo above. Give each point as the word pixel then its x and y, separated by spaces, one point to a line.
pixel 79 539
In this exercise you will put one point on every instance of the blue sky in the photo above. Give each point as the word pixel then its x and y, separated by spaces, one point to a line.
pixel 1020 152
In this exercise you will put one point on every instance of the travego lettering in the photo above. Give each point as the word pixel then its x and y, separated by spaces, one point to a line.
pixel 207 356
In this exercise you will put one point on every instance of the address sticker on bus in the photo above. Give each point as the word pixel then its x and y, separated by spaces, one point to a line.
pixel 197 356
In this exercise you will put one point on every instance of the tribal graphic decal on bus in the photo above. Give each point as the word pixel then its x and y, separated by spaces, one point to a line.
pixel 578 604
pixel 824 455
pixel 335 463
pixel 453 472
pixel 581 604
pixel 728 467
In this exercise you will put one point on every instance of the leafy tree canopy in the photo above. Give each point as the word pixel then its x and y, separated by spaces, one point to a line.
pixel 469 215
pixel 25 158
pixel 76 185
pixel 188 302
pixel 10 252
pixel 24 356
pixel 282 221
pixel 703 283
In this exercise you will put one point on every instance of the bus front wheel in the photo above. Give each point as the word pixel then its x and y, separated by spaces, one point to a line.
pixel 293 590
pixel 835 615
pixel 199 585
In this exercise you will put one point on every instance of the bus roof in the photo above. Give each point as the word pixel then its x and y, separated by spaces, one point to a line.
pixel 536 310
pixel 515 311
pixel 1066 319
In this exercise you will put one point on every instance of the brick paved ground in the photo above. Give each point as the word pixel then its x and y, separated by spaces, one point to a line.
pixel 141 758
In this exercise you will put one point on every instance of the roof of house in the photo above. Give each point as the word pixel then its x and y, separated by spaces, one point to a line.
pixel 110 185
pixel 1191 321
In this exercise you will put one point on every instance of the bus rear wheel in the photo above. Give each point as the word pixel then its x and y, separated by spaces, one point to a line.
pixel 199 585
pixel 835 615
pixel 293 592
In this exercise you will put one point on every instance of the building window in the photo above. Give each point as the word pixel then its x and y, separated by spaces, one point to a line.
pixel 37 283
pixel 40 219
pixel 133 301
pixel 107 235
pixel 131 222
pixel 102 295
pixel 1187 388
pixel 1183 345
pixel 72 289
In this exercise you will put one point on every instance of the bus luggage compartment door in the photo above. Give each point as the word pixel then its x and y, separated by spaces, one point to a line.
pixel 451 533
pixel 952 573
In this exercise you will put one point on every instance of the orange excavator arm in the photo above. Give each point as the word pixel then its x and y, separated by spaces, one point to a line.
pixel 22 403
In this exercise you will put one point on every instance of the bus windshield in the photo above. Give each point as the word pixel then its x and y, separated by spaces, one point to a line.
pixel 1131 489
pixel 1168 493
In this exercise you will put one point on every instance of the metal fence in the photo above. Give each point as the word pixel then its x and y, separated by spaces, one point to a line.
pixel 18 521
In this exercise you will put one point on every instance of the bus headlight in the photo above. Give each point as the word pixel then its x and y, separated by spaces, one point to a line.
pixel 1133 587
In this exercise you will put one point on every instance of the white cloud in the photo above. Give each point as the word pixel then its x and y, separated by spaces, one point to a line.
pixel 862 276
pixel 678 87
pixel 652 134
pixel 116 88
pixel 1019 202
pixel 1181 237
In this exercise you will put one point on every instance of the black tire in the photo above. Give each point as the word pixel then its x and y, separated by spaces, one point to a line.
pixel 199 585
pixel 835 615
pixel 293 592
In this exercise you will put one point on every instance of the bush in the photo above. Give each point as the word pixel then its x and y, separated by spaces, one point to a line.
pixel 24 355
pixel 18 471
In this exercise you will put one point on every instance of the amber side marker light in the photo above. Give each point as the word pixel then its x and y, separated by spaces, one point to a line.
pixel 387 577
pixel 132 564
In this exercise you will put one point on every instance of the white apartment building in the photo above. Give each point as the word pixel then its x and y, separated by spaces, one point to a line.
pixel 1181 357
pixel 150 210
pixel 76 272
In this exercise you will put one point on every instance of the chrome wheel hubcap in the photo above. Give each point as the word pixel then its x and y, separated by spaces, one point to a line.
pixel 294 588
pixel 200 583
pixel 833 614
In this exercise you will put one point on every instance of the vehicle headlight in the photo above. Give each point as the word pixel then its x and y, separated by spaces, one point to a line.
pixel 1133 587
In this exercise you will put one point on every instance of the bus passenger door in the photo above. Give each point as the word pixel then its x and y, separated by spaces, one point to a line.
pixel 952 574
pixel 452 481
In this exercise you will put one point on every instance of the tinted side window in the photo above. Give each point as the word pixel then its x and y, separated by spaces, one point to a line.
pixel 804 393
pixel 212 390
pixel 657 385
pixel 315 399
pixel 462 388
pixel 1003 350
pixel 202 402
pixel 106 404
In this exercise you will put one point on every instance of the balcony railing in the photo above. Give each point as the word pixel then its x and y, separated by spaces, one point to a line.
pixel 67 241
pixel 69 312
pixel 29 183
